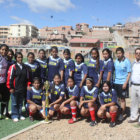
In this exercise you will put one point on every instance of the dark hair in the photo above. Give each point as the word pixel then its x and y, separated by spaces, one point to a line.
pixel 18 53
pixel 120 49
pixel 108 83
pixel 57 75
pixel 54 48
pixel 90 79
pixel 98 57
pixel 11 51
pixel 137 49
pixel 79 55
pixel 67 51
pixel 70 77
pixel 4 45
pixel 36 79
pixel 53 85
pixel 42 50
pixel 31 53
pixel 108 51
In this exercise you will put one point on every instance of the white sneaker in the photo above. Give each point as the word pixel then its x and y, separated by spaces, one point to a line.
pixel 22 118
pixel 15 120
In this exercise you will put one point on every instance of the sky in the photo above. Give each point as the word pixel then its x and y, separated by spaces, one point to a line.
pixel 54 13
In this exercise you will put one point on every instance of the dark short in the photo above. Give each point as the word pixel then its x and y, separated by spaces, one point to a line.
pixel 27 108
pixel 52 108
pixel 121 93
pixel 4 93
pixel 85 105
pixel 68 105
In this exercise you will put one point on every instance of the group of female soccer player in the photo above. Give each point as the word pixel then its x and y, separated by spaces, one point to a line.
pixel 75 88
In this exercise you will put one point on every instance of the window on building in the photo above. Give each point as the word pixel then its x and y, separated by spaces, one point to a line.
pixel 83 45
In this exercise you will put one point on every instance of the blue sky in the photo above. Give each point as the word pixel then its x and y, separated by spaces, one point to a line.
pixel 69 12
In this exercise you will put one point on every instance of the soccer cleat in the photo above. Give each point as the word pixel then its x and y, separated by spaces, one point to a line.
pixel 120 118
pixel 93 123
pixel 71 121
pixel 112 124
pixel 31 118
pixel 15 120
pixel 22 118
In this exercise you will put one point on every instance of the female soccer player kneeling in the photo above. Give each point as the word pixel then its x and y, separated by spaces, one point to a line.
pixel 88 100
pixel 57 94
pixel 71 102
pixel 108 101
pixel 36 100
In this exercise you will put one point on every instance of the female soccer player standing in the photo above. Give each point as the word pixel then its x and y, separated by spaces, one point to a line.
pixel 42 60
pixel 68 65
pixel 95 67
pixel 55 65
pixel 33 67
pixel 80 72
pixel 108 66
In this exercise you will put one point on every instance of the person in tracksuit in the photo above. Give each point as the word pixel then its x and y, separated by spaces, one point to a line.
pixel 17 82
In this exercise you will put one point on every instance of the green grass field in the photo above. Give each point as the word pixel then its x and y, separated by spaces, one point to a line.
pixel 8 127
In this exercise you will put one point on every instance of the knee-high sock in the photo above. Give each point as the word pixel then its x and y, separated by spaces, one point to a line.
pixel 113 116
pixel 74 111
pixel 31 113
pixel 92 113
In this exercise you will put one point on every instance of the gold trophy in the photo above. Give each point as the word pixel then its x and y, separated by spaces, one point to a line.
pixel 47 86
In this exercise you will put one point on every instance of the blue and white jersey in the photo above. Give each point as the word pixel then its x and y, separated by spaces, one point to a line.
pixel 56 91
pixel 55 65
pixel 80 71
pixel 43 69
pixel 68 67
pixel 89 94
pixel 108 66
pixel 72 91
pixel 36 96
pixel 93 72
pixel 34 70
pixel 109 97
pixel 3 69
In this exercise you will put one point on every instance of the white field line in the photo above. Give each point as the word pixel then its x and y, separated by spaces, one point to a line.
pixel 23 130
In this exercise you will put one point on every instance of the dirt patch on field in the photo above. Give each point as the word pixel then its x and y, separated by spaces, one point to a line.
pixel 61 130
